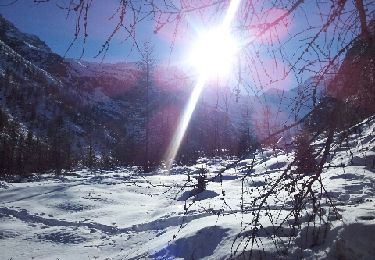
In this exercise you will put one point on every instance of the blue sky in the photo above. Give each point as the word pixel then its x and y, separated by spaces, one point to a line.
pixel 50 23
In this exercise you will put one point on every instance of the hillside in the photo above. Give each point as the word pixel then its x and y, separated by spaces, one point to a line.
pixel 97 110
pixel 94 114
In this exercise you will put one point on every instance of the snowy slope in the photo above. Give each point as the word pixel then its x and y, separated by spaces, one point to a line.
pixel 102 102
pixel 124 214
pixel 37 87
pixel 127 71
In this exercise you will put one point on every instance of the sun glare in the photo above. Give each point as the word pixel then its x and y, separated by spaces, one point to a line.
pixel 214 53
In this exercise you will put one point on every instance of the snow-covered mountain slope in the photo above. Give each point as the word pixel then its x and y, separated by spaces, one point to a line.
pixel 31 48
pixel 126 71
pixel 37 87
pixel 102 106
pixel 124 214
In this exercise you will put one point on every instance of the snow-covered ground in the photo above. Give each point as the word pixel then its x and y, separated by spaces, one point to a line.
pixel 125 214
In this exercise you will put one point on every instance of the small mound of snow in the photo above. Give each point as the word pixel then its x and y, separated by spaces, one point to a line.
pixel 4 185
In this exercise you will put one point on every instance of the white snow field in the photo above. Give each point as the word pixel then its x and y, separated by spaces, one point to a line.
pixel 125 214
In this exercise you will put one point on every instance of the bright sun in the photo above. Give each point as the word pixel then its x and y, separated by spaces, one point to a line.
pixel 214 53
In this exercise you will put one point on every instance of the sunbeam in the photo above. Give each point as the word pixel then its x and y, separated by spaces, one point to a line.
pixel 184 122
pixel 213 54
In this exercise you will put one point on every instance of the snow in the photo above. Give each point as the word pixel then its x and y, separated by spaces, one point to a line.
pixel 126 214
pixel 8 54
pixel 123 70
pixel 30 45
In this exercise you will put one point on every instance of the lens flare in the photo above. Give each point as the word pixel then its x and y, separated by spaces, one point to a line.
pixel 184 122
pixel 213 53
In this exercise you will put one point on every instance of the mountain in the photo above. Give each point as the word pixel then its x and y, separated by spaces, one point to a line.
pixel 99 112
pixel 57 103
pixel 31 48
pixel 86 112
